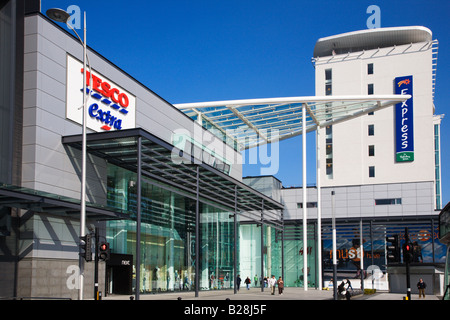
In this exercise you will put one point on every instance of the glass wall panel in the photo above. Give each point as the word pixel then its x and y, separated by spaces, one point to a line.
pixel 250 255
pixel 447 277
pixel 276 254
pixel 168 237
pixel 167 232
pixel 428 248
pixel 294 254
pixel 216 248
pixel 250 252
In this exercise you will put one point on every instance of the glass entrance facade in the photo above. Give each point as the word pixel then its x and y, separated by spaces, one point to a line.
pixel 168 236
pixel 295 252
pixel 272 254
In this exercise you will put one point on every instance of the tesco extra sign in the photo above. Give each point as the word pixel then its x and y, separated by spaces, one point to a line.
pixel 109 107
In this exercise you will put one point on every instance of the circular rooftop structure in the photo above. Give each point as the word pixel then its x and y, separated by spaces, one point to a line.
pixel 370 39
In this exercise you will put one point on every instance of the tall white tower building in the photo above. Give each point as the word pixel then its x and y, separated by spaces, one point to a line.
pixel 397 146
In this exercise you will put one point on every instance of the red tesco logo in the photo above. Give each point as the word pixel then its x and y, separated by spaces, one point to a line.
pixel 104 88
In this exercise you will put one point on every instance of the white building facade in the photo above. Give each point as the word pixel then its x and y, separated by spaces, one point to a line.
pixel 362 151
pixel 379 189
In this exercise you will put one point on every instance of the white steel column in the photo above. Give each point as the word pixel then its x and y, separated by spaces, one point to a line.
pixel 305 202
pixel 333 225
pixel 319 211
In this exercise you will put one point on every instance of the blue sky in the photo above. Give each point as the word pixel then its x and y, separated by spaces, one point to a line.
pixel 207 50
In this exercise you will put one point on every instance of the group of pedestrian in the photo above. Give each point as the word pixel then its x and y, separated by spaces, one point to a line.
pixel 274 282
pixel 271 282
pixel 345 287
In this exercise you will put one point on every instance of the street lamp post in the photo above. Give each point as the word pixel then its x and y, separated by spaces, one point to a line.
pixel 60 15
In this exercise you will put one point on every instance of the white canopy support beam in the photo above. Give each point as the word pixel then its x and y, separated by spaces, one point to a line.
pixel 248 123
pixel 305 204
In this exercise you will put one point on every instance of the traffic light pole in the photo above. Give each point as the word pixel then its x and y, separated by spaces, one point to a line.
pixel 96 265
pixel 408 282
pixel 408 278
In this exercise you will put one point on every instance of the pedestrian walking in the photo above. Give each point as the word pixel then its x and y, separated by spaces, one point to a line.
pixel 272 284
pixel 421 285
pixel 247 282
pixel 238 282
pixel 280 284
pixel 349 285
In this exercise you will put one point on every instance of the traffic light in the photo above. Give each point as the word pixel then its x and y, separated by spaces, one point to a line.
pixel 408 252
pixel 393 249
pixel 86 247
pixel 103 251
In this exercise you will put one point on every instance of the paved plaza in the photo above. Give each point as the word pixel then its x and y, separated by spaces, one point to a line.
pixel 256 294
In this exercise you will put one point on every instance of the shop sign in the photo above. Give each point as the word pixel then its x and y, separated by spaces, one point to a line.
pixel 109 107
pixel 404 121
pixel 117 259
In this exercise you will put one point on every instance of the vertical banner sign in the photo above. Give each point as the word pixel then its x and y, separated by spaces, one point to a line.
pixel 109 107
pixel 404 121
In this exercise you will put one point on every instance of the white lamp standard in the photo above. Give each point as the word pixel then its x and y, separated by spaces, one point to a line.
pixel 60 15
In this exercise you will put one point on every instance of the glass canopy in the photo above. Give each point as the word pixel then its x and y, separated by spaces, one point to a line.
pixel 41 201
pixel 123 148
pixel 255 121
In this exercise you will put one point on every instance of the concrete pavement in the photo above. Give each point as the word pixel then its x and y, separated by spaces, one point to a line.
pixel 223 304
pixel 289 293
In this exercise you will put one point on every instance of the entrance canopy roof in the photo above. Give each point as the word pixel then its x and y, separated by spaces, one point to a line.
pixel 39 201
pixel 172 169
pixel 255 121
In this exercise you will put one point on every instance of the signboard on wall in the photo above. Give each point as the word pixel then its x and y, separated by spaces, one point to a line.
pixel 404 121
pixel 109 107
